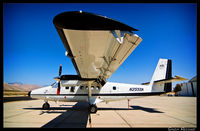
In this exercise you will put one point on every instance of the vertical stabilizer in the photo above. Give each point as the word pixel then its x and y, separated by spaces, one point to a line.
pixel 163 71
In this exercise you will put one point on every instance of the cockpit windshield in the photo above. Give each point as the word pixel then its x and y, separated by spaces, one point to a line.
pixel 54 85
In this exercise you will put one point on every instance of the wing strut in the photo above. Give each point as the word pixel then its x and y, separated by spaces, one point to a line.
pixel 89 104
pixel 89 91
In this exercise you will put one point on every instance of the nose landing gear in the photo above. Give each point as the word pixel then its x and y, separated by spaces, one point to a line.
pixel 46 106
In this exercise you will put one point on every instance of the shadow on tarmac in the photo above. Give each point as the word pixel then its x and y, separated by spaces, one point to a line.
pixel 77 116
pixel 150 110
pixel 71 117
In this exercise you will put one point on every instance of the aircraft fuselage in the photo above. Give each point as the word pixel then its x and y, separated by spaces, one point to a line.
pixel 109 92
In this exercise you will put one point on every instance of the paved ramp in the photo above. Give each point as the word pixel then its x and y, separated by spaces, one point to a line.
pixel 75 117
pixel 151 111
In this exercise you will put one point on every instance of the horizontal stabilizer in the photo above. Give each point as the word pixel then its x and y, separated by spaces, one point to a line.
pixel 163 81
pixel 173 79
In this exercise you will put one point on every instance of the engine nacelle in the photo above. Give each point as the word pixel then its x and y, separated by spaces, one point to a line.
pixel 69 82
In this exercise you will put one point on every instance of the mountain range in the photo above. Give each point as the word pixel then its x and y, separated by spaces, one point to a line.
pixel 18 86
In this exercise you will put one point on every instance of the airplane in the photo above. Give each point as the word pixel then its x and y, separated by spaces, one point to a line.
pixel 97 46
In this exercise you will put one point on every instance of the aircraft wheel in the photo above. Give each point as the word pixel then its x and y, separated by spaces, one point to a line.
pixel 46 106
pixel 93 109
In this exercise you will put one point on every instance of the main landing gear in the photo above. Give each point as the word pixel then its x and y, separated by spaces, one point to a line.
pixel 46 106
pixel 93 108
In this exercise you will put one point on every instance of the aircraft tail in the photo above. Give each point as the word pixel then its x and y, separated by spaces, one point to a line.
pixel 162 77
pixel 163 71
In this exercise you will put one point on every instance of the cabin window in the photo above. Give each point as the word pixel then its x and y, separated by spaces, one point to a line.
pixel 114 88
pixel 97 88
pixel 66 87
pixel 81 87
pixel 72 89
pixel 92 87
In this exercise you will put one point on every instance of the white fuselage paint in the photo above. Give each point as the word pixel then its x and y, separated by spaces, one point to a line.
pixel 109 92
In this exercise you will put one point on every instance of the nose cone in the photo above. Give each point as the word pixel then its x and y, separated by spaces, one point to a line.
pixel 29 93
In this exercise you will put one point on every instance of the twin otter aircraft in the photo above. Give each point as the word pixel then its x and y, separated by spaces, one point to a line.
pixel 97 46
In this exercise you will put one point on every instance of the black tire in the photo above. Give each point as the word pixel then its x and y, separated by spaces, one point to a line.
pixel 46 106
pixel 93 109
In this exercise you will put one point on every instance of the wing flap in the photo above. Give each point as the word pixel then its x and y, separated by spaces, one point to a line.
pixel 130 42
pixel 99 53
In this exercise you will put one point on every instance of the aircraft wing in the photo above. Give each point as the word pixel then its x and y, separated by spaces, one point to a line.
pixel 96 44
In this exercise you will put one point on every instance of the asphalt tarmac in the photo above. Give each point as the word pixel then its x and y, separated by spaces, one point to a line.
pixel 149 111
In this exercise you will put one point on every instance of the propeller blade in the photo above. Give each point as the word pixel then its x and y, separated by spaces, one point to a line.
pixel 58 79
pixel 60 69
pixel 58 89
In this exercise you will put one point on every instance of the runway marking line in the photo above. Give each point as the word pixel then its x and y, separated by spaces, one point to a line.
pixel 123 118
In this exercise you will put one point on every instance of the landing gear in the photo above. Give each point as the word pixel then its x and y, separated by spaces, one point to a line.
pixel 93 108
pixel 46 106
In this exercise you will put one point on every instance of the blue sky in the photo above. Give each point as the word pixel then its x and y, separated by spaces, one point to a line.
pixel 33 50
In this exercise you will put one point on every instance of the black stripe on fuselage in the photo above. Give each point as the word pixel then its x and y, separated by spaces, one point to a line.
pixel 106 94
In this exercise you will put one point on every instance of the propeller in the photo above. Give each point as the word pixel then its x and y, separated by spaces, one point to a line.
pixel 60 71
